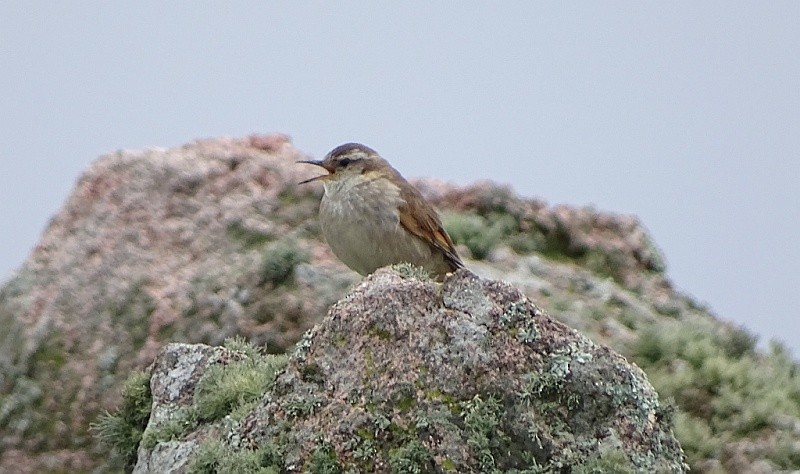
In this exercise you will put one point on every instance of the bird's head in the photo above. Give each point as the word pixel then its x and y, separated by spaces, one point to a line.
pixel 348 160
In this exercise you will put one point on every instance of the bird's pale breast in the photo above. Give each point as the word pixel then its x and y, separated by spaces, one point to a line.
pixel 359 219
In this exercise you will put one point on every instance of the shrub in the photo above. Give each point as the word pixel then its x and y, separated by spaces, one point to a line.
pixel 279 261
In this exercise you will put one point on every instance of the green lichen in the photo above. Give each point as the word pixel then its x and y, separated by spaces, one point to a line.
pixel 410 271
pixel 448 465
pixel 452 403
pixel 379 440
pixel 520 322
pixel 339 340
pixel 548 384
pixel 300 406
pixel 482 420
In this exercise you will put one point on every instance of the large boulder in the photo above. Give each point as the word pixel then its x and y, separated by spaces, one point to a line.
pixel 406 375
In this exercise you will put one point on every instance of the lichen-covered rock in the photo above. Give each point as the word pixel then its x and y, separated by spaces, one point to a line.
pixel 405 375
pixel 173 382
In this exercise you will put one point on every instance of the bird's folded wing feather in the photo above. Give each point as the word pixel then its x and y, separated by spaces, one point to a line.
pixel 426 226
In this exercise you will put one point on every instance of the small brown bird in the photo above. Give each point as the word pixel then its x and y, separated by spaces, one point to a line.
pixel 372 217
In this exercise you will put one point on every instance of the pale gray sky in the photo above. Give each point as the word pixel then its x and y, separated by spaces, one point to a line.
pixel 686 113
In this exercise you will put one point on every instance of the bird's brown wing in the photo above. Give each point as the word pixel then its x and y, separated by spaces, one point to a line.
pixel 426 225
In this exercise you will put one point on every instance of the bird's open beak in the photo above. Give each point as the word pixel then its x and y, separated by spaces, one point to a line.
pixel 316 163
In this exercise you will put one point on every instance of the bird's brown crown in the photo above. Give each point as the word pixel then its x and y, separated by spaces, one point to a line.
pixel 353 157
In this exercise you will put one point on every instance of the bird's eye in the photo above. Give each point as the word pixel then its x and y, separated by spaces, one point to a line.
pixel 345 161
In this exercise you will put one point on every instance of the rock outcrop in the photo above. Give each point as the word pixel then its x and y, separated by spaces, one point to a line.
pixel 214 239
pixel 405 375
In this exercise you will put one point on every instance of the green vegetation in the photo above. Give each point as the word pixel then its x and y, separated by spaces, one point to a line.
pixel 176 427
pixel 132 312
pixel 724 390
pixel 122 430
pixel 279 260
pixel 214 457
pixel 412 457
pixel 323 460
pixel 481 234
pixel 502 219
pixel 248 237
pixel 230 389
pixel 609 463
pixel 604 263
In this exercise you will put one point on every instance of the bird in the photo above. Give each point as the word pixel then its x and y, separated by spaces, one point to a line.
pixel 372 217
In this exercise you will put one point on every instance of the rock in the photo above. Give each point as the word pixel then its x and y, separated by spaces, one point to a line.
pixel 405 375
pixel 175 373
